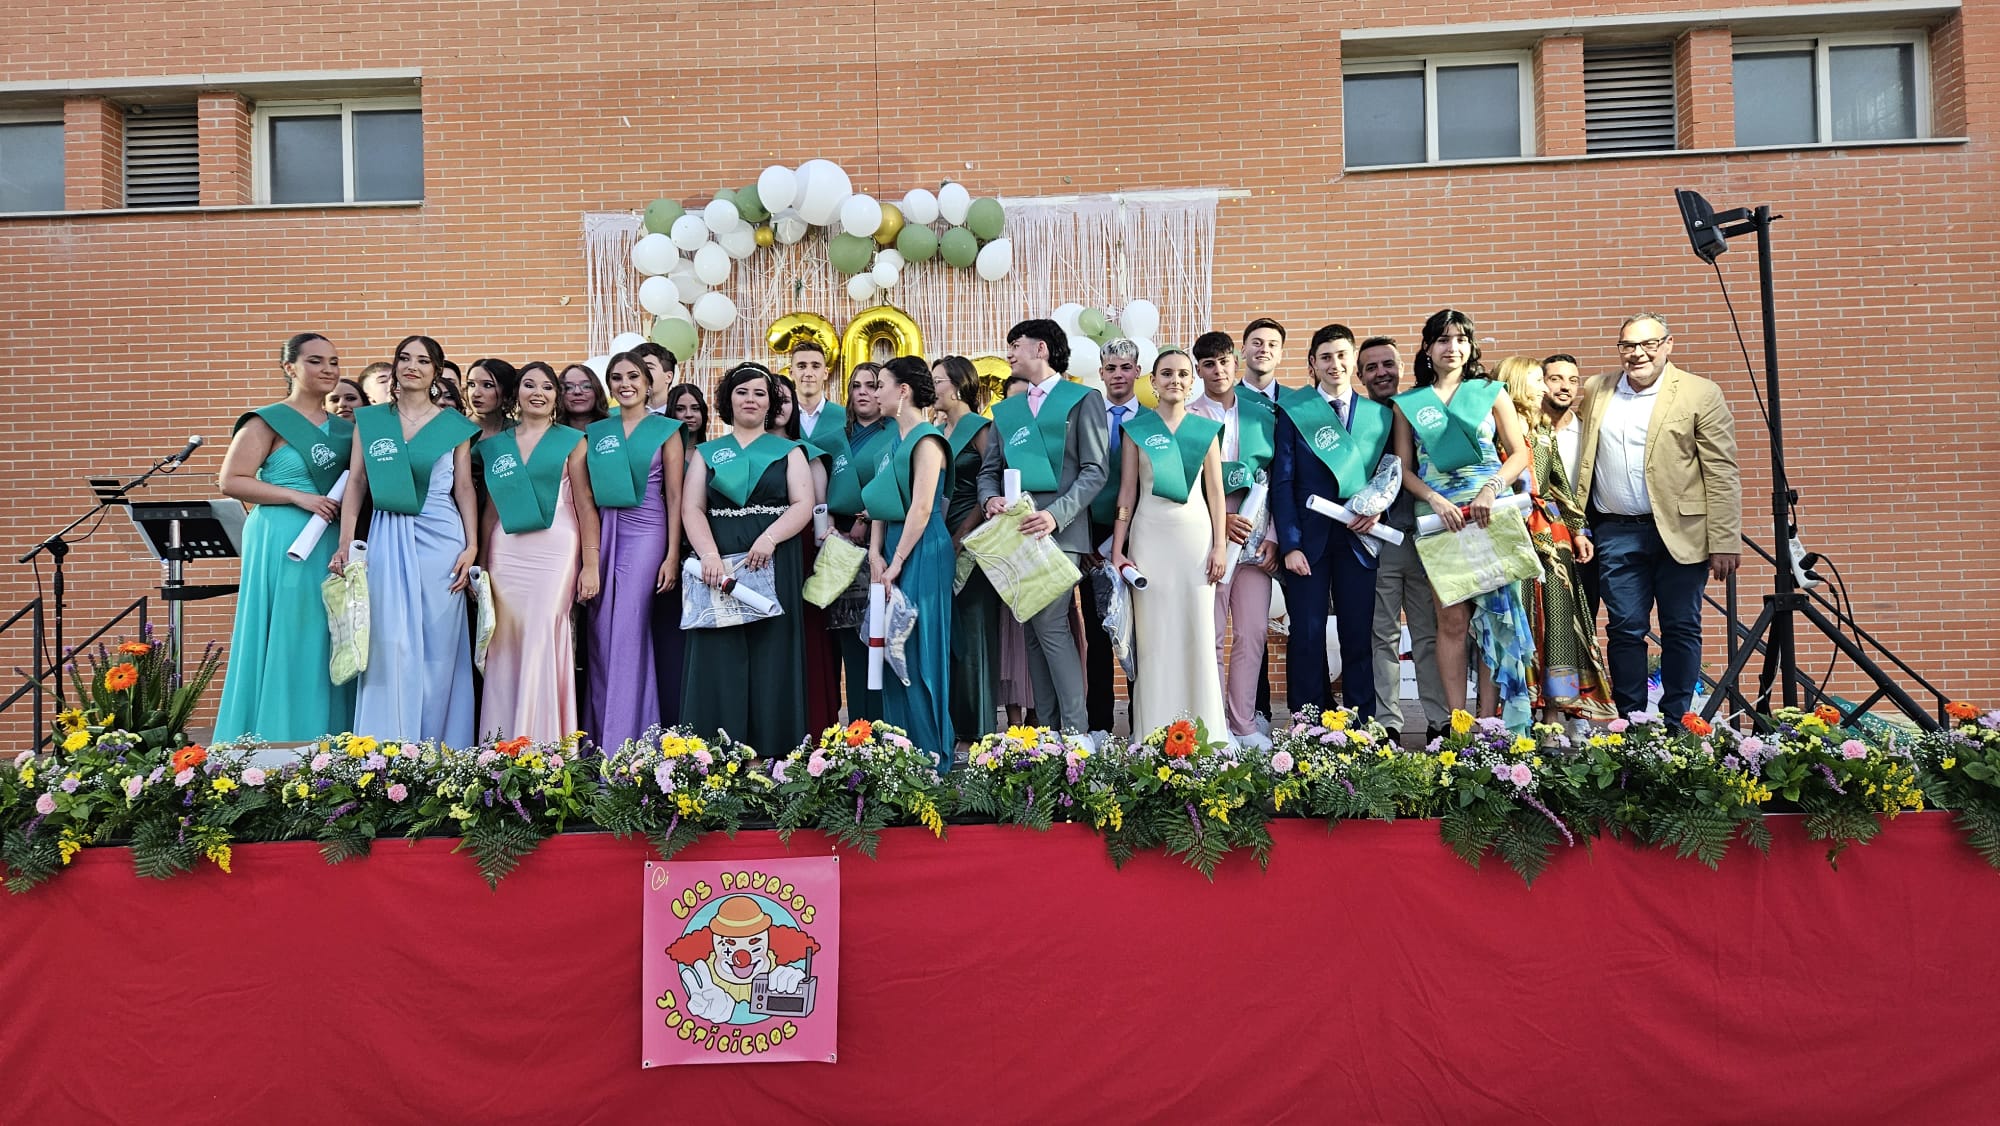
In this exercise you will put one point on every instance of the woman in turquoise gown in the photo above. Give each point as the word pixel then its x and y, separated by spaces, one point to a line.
pixel 911 549
pixel 414 460
pixel 284 459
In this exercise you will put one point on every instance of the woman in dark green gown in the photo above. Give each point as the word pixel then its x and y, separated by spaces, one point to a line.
pixel 975 632
pixel 748 492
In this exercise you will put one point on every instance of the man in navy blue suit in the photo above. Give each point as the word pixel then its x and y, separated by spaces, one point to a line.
pixel 1329 440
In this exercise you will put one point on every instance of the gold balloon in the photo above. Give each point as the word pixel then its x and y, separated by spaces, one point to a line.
pixel 765 238
pixel 892 225
pixel 884 325
pixel 993 372
pixel 794 329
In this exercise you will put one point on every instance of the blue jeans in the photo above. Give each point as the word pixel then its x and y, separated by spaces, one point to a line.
pixel 1638 575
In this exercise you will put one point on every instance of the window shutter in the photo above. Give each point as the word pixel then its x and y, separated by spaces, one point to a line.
pixel 162 163
pixel 1628 98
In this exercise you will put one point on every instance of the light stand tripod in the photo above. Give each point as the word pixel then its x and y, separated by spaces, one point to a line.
pixel 1775 626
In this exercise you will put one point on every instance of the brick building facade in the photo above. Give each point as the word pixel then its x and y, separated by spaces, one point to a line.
pixel 1376 178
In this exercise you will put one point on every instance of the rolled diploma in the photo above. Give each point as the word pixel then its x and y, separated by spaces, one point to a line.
pixel 730 587
pixel 1432 524
pixel 1339 512
pixel 878 642
pixel 822 523
pixel 1253 507
pixel 1132 577
pixel 308 537
pixel 1010 486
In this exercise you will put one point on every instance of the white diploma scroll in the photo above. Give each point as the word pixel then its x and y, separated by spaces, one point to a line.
pixel 1010 486
pixel 878 633
pixel 1339 512
pixel 308 537
pixel 1132 577
pixel 1252 510
pixel 1432 524
pixel 822 523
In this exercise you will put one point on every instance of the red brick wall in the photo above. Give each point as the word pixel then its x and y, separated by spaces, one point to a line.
pixel 93 154
pixel 128 332
pixel 224 124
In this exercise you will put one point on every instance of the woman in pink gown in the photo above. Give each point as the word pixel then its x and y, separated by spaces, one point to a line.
pixel 542 554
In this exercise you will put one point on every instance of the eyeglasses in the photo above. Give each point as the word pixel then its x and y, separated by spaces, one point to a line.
pixel 1631 347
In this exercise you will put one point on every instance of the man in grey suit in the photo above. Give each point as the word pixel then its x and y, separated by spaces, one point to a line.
pixel 1057 437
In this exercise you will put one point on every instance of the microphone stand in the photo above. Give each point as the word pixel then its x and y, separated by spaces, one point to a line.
pixel 58 548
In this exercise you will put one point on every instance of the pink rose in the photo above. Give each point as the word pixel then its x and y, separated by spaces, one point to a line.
pixel 816 765
pixel 397 791
pixel 1751 745
pixel 778 771
pixel 410 750
pixel 253 777
pixel 555 762
pixel 1617 725
pixel 321 761
pixel 485 757
pixel 1282 762
pixel 1853 749
pixel 1521 774
pixel 184 777
pixel 45 805
pixel 133 785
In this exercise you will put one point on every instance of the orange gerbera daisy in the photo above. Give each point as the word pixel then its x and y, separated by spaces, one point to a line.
pixel 858 732
pixel 121 677
pixel 187 758
pixel 135 649
pixel 512 747
pixel 1180 740
pixel 1827 713
pixel 1960 712
pixel 1697 725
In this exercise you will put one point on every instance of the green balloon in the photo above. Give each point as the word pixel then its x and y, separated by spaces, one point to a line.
pixel 749 206
pixel 675 335
pixel 1092 322
pixel 960 246
pixel 986 218
pixel 1107 334
pixel 917 243
pixel 660 215
pixel 850 253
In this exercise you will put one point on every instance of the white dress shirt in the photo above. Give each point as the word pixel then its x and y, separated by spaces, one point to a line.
pixel 1567 436
pixel 1342 404
pixel 1618 483
pixel 1270 391
pixel 809 419
pixel 1232 442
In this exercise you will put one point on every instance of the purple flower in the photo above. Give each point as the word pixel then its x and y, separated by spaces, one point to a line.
pixel 69 785
pixel 45 805
pixel 375 762
pixel 663 777
pixel 1831 780
pixel 1501 772
pixel 778 770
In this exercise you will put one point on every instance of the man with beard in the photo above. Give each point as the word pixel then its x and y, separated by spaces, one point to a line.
pixel 1561 384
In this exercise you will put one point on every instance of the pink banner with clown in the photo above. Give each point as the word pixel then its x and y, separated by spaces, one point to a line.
pixel 742 961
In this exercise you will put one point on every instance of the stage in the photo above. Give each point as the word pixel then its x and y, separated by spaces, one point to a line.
pixel 1007 976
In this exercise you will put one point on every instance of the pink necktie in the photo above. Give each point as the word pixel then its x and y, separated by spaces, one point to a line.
pixel 1035 397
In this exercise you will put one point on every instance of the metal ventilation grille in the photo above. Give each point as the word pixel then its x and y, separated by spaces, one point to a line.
pixel 162 161
pixel 1628 98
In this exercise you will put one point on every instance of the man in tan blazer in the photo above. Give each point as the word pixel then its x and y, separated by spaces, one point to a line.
pixel 1658 464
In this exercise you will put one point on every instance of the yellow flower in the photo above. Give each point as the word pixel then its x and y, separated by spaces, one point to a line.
pixel 733 768
pixel 1163 774
pixel 1523 745
pixel 301 790
pixel 220 854
pixel 1615 740
pixel 361 783
pixel 673 746
pixel 222 785
pixel 27 776
pixel 929 817
pixel 70 844
pixel 71 719
pixel 1023 733
pixel 1947 762
pixel 76 740
pixel 1448 759
pixel 1461 721
pixel 461 813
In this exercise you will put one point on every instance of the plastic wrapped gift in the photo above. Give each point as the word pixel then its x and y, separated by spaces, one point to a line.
pixel 346 598
pixel 840 559
pixel 480 586
pixel 707 607
pixel 1474 560
pixel 1029 573
pixel 901 615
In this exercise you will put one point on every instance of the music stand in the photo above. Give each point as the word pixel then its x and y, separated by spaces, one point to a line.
pixel 177 531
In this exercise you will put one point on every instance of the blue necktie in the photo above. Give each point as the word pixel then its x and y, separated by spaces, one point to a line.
pixel 1117 423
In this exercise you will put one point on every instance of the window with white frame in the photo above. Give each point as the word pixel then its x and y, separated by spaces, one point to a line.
pixel 31 163
pixel 1443 108
pixel 340 151
pixel 1832 89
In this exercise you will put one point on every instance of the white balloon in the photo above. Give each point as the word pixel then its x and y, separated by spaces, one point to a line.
pixel 655 294
pixel 824 186
pixel 689 232
pixel 624 342
pixel 741 243
pixel 861 215
pixel 711 264
pixel 1140 319
pixel 676 312
pixel 721 216
pixel 861 286
pixel 920 207
pixel 777 187
pixel 1148 352
pixel 1084 356
pixel 653 254
pixel 599 363
pixel 953 202
pixel 687 286
pixel 892 256
pixel 714 312
pixel 995 259
pixel 1066 315
pixel 885 275
pixel 788 227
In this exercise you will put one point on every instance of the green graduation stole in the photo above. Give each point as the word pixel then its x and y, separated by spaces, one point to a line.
pixel 524 490
pixel 1256 442
pixel 1033 443
pixel 1349 452
pixel 887 497
pixel 324 451
pixel 399 473
pixel 829 436
pixel 734 470
pixel 1176 454
pixel 1450 432
pixel 852 469
pixel 619 465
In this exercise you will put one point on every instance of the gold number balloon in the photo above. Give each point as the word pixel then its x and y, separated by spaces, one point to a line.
pixel 794 329
pixel 885 326
pixel 993 372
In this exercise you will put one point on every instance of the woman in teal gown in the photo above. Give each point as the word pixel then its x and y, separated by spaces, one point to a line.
pixel 911 549
pixel 284 459
pixel 975 619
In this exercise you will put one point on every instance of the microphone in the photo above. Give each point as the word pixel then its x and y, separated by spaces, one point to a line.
pixel 179 459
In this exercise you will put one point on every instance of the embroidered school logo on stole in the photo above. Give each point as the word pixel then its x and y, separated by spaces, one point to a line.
pixel 722 457
pixel 505 465
pixel 608 444
pixel 382 449
pixel 1326 437
pixel 322 455
pixel 1430 416
pixel 1159 441
pixel 1018 437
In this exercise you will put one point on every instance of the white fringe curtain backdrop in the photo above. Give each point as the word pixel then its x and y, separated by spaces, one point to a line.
pixel 1099 251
